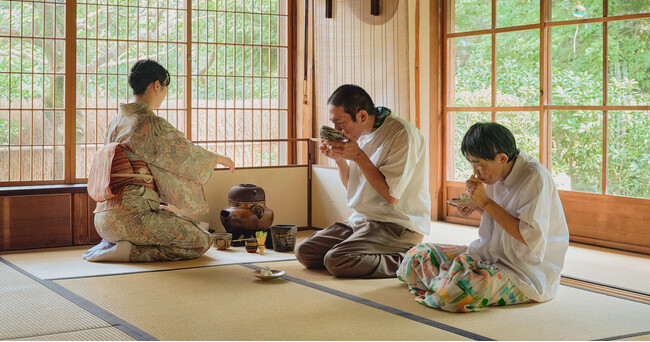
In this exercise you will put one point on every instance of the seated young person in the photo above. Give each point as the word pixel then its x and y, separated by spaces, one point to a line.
pixel 523 235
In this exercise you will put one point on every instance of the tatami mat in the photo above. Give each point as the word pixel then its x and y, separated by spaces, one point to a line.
pixel 602 265
pixel 30 310
pixel 606 266
pixel 574 315
pixel 68 263
pixel 101 334
pixel 229 303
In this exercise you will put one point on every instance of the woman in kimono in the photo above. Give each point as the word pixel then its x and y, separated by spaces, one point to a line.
pixel 146 164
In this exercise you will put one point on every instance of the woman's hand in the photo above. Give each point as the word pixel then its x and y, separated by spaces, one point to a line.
pixel 227 162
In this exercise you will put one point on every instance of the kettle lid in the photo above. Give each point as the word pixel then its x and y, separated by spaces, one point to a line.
pixel 246 193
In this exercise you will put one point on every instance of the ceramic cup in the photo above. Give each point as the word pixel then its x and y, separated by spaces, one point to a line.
pixel 284 237
pixel 222 240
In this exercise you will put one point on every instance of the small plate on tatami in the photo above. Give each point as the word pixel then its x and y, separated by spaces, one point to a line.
pixel 275 274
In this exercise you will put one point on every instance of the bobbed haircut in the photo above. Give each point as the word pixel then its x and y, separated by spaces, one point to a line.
pixel 146 71
pixel 353 99
pixel 487 139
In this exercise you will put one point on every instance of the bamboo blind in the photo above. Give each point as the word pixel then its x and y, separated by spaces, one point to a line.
pixel 359 48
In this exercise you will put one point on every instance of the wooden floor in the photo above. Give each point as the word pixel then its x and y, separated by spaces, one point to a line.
pixel 53 295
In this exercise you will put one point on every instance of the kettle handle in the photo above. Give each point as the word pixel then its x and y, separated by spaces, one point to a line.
pixel 258 210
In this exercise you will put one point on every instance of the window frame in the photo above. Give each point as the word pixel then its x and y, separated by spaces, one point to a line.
pixel 70 89
pixel 606 207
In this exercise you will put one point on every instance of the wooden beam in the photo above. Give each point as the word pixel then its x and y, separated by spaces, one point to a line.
pixel 328 9
pixel 374 7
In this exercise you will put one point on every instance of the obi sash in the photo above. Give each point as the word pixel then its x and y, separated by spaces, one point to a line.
pixel 111 172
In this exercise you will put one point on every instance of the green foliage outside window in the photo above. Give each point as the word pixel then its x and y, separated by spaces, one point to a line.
pixel 577 80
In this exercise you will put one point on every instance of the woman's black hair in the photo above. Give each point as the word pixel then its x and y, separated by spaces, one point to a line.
pixel 353 99
pixel 487 139
pixel 146 71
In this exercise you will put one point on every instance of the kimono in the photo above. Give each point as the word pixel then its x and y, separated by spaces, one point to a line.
pixel 131 211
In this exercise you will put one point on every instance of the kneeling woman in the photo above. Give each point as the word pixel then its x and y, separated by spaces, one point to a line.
pixel 147 161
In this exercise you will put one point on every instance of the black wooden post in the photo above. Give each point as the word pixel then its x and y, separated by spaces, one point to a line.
pixel 374 7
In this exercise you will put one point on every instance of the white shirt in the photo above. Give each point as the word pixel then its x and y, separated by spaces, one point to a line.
pixel 397 148
pixel 528 193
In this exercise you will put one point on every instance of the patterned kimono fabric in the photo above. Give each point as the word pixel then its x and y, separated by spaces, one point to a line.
pixel 179 168
pixel 446 277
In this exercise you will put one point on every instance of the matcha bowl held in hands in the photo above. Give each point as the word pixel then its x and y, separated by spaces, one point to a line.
pixel 329 133
pixel 463 201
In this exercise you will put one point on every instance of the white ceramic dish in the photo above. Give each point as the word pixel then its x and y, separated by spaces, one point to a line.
pixel 275 274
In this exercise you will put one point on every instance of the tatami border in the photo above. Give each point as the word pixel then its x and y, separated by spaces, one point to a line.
pixel 382 307
pixel 85 304
pixel 614 338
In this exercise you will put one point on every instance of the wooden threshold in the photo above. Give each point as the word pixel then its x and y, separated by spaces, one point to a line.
pixel 606 289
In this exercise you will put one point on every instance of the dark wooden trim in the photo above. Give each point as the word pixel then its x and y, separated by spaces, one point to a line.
pixel 311 159
pixel 70 92
pixel 292 115
pixel 187 73
pixel 43 189
pixel 611 244
pixel 374 7
pixel 80 231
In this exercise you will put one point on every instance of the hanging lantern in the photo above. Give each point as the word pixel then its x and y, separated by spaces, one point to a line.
pixel 579 11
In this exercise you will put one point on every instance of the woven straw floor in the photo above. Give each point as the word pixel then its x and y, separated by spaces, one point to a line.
pixel 53 295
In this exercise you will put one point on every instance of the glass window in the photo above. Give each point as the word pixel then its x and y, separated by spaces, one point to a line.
pixel 471 15
pixel 517 12
pixel 628 153
pixel 575 96
pixel 576 9
pixel 577 64
pixel 628 62
pixel 32 91
pixel 107 47
pixel 525 127
pixel 460 122
pixel 239 60
pixel 473 73
pixel 518 68
pixel 622 7
pixel 577 153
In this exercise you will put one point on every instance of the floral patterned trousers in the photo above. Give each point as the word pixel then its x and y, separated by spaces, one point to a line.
pixel 446 277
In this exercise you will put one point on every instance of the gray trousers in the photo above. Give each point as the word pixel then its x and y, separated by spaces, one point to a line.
pixel 367 250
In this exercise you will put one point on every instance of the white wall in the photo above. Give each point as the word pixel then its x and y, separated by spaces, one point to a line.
pixel 328 197
pixel 285 189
